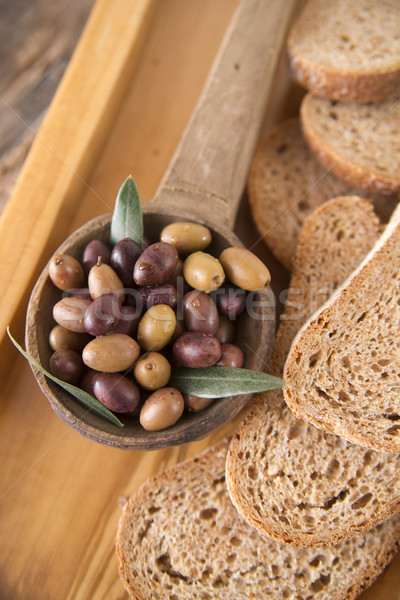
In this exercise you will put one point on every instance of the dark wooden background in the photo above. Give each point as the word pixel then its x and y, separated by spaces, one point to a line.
pixel 37 38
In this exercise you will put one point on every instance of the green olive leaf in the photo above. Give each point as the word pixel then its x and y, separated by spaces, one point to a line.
pixel 219 382
pixel 127 219
pixel 85 398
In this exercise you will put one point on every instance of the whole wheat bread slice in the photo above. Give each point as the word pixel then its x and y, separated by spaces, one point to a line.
pixel 343 369
pixel 180 538
pixel 359 144
pixel 286 183
pixel 293 482
pixel 347 51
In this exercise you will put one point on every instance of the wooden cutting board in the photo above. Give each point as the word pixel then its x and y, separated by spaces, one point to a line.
pixel 121 108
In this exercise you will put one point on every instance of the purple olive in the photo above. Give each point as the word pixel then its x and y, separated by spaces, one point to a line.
pixel 67 365
pixel 158 294
pixel 200 312
pixel 195 349
pixel 156 264
pixel 116 392
pixel 91 253
pixel 231 356
pixel 123 258
pixel 129 321
pixel 102 315
pixel 231 301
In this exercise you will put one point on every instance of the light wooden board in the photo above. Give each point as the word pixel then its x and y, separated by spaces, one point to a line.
pixel 59 492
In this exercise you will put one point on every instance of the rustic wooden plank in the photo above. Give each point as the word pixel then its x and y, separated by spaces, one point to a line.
pixel 66 148
pixel 36 42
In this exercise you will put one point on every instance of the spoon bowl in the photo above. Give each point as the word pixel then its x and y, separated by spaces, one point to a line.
pixel 255 335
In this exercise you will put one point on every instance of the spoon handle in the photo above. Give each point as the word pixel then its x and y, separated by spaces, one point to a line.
pixel 208 171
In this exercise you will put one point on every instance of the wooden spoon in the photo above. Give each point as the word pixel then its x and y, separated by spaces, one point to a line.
pixel 204 183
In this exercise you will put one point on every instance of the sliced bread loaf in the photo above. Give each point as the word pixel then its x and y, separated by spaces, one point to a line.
pixel 359 144
pixel 180 538
pixel 347 51
pixel 286 183
pixel 343 368
pixel 293 482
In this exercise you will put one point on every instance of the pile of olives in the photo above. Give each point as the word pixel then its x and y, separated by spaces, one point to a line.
pixel 127 315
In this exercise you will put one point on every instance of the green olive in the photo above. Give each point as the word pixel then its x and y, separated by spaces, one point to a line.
pixel 111 353
pixel 186 237
pixel 63 338
pixel 244 268
pixel 104 280
pixel 152 371
pixel 203 272
pixel 66 272
pixel 156 327
pixel 161 409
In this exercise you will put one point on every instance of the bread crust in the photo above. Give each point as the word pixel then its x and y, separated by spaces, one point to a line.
pixel 342 86
pixel 339 51
pixel 147 536
pixel 272 461
pixel 333 409
pixel 346 164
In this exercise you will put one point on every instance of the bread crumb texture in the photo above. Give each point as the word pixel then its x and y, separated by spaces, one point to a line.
pixel 347 51
pixel 180 538
pixel 292 481
pixel 343 370
pixel 286 183
pixel 359 144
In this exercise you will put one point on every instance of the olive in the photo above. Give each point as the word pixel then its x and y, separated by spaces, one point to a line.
pixel 231 356
pixel 69 313
pixel 102 315
pixel 200 312
pixel 152 371
pixel 186 237
pixel 177 274
pixel 244 269
pixel 91 254
pixel 116 392
pixel 86 382
pixel 180 328
pixel 123 257
pixel 231 301
pixel 66 272
pixel 64 338
pixel 156 327
pixel 111 353
pixel 196 403
pixel 156 264
pixel 67 365
pixel 195 349
pixel 129 321
pixel 161 409
pixel 158 294
pixel 203 272
pixel 78 293
pixel 225 333
pixel 104 280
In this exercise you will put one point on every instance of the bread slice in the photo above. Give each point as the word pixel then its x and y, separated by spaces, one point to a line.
pixel 342 371
pixel 180 538
pixel 357 143
pixel 286 183
pixel 293 482
pixel 347 51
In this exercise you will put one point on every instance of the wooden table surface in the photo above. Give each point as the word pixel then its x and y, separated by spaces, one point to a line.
pixel 59 492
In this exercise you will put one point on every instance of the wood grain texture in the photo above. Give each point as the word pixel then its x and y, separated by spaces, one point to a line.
pixel 59 492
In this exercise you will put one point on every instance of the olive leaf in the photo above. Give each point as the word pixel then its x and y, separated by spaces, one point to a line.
pixel 218 382
pixel 127 219
pixel 85 398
